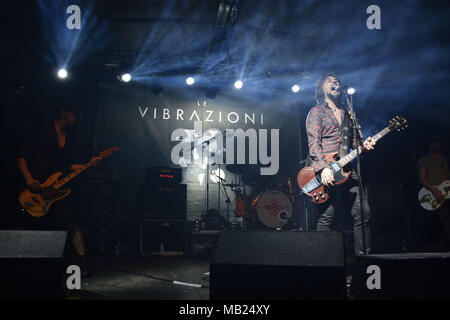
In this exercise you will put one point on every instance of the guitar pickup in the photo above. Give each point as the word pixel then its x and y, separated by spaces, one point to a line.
pixel 35 200
pixel 335 167
pixel 28 204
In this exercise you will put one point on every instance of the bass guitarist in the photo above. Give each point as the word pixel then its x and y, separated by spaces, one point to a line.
pixel 329 130
pixel 433 170
pixel 49 151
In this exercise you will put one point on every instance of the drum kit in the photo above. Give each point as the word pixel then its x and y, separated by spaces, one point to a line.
pixel 270 204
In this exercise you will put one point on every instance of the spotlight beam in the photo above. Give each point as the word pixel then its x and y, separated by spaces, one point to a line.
pixel 126 77
pixel 190 81
pixel 62 73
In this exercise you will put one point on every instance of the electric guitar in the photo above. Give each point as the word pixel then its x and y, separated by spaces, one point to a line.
pixel 38 204
pixel 311 183
pixel 428 201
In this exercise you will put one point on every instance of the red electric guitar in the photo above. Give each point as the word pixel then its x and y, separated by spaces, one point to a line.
pixel 310 183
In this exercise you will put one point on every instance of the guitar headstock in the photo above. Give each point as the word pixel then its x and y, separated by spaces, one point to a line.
pixel 398 123
pixel 108 152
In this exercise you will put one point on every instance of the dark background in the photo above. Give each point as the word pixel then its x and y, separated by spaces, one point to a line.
pixel 401 69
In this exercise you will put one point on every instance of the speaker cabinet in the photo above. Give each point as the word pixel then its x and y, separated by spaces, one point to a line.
pixel 32 264
pixel 411 276
pixel 164 237
pixel 163 201
pixel 271 265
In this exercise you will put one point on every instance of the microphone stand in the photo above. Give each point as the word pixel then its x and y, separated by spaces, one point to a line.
pixel 207 142
pixel 228 201
pixel 359 136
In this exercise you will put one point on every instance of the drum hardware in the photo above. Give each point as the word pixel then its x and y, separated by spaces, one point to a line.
pixel 258 209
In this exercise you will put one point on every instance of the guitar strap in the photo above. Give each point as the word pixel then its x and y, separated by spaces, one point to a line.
pixel 346 133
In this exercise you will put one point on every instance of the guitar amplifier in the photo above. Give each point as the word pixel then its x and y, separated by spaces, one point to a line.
pixel 163 175
pixel 163 201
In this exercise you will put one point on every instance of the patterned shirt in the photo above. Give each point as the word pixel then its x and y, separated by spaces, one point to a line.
pixel 324 134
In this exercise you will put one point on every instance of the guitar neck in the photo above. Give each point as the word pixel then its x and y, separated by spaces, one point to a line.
pixel 72 175
pixel 352 155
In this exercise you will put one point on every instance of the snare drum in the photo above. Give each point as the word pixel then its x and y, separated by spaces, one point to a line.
pixel 274 209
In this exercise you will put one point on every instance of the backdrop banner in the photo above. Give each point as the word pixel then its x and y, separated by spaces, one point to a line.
pixel 150 130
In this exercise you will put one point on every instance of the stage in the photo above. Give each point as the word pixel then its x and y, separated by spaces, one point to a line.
pixel 151 278
pixel 225 150
pixel 145 278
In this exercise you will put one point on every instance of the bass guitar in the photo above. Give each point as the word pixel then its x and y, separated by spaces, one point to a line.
pixel 38 204
pixel 310 183
pixel 428 201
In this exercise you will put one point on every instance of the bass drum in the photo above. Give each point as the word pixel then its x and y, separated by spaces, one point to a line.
pixel 274 209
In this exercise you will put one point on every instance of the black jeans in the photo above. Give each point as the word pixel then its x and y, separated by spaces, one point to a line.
pixel 345 199
pixel 437 229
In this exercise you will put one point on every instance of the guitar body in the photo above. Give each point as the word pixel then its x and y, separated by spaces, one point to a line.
pixel 311 183
pixel 38 204
pixel 427 199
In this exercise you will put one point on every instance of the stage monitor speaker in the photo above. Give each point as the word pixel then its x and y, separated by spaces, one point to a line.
pixel 278 265
pixel 32 264
pixel 405 276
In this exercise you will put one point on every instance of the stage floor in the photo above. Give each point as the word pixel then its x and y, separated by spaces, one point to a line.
pixel 146 278
pixel 151 277
pixel 139 279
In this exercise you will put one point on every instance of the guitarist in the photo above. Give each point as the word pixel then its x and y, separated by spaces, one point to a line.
pixel 328 128
pixel 433 170
pixel 53 151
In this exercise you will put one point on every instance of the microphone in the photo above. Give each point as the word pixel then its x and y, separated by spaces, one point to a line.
pixel 340 88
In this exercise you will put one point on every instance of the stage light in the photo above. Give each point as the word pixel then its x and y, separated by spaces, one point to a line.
pixel 295 88
pixel 238 84
pixel 217 175
pixel 190 81
pixel 62 73
pixel 126 77
pixel 351 91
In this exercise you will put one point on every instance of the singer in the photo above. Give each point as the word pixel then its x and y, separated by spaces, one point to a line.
pixel 329 130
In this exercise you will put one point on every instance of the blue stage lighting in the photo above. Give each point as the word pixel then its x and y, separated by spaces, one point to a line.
pixel 238 84
pixel 295 88
pixel 190 81
pixel 62 73
pixel 126 77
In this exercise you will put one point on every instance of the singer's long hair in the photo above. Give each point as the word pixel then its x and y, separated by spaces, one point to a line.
pixel 320 96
